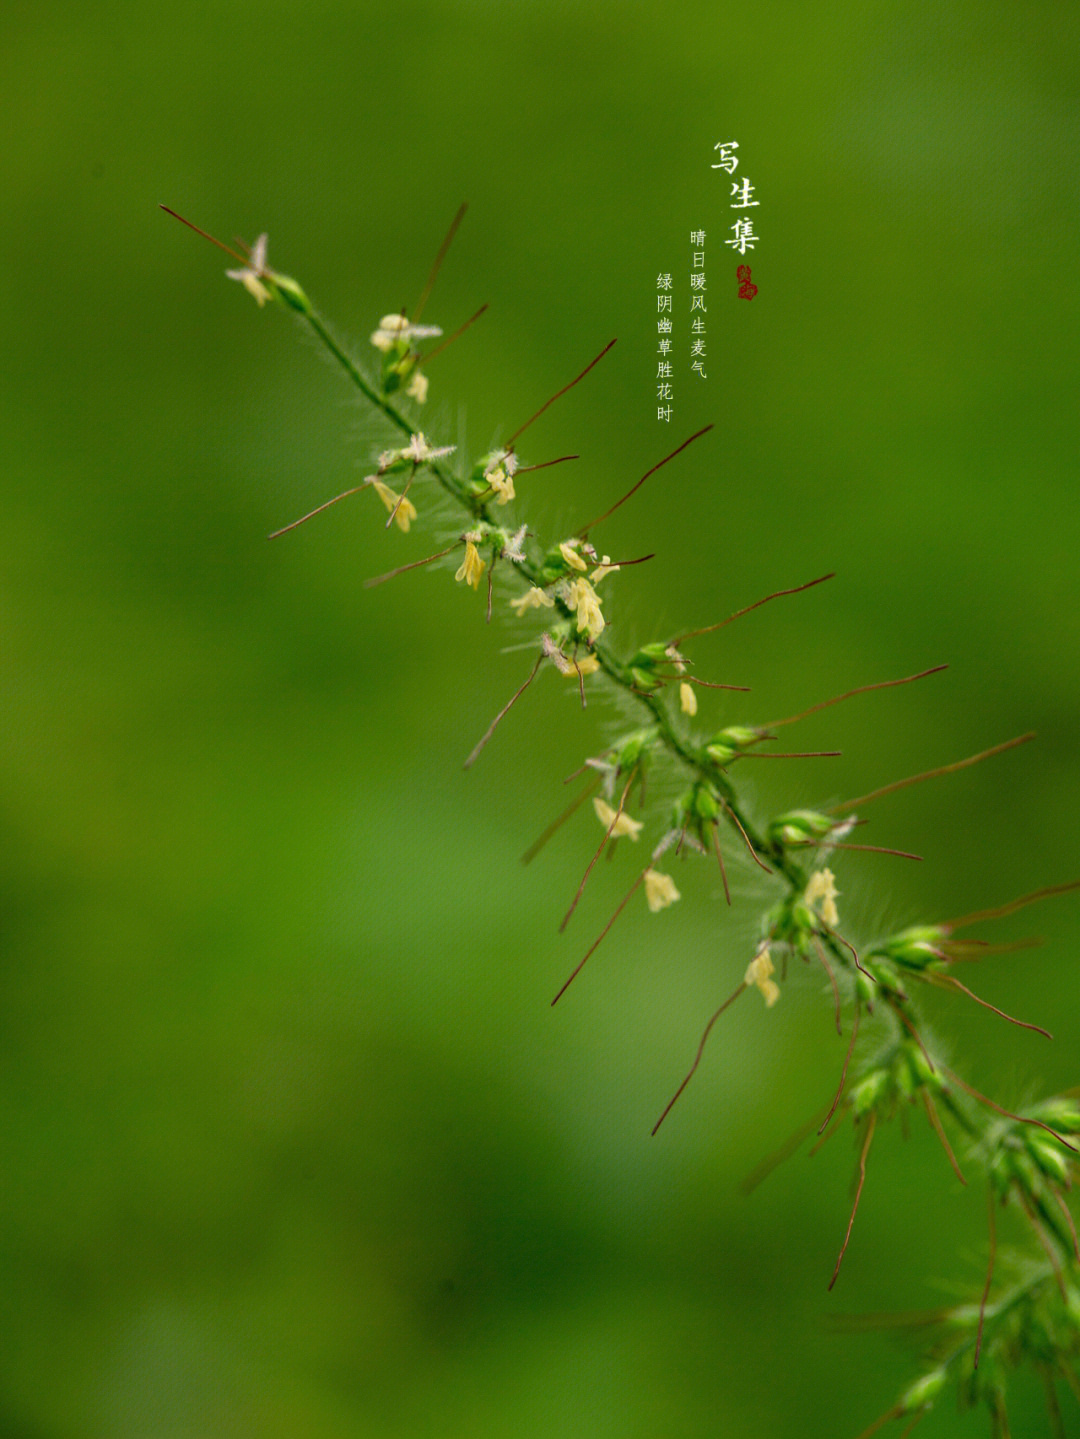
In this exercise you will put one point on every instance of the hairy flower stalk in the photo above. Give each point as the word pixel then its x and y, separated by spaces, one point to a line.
pixel 1029 1160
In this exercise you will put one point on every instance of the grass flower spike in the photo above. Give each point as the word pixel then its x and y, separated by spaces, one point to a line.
pixel 1028 1159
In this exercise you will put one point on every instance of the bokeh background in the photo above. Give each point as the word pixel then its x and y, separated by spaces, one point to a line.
pixel 295 1143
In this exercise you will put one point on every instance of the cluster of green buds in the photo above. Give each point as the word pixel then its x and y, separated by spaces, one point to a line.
pixel 731 743
pixel 1035 1324
pixel 798 922
pixel 926 952
pixel 695 816
pixel 878 979
pixel 1034 1163
pixel 913 952
pixel 654 665
pixel 916 949
pixel 659 663
pixel 902 1075
pixel 978 1347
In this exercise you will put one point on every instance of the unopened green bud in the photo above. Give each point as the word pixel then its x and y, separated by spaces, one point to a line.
pixel 720 753
pixel 643 679
pixel 682 809
pixel 635 749
pixel 923 1392
pixel 290 292
pixel 706 803
pixel 800 827
pixel 1048 1156
pixel 915 948
pixel 776 918
pixel 1025 1172
pixel 740 736
pixel 1060 1114
pixel 886 977
pixel 1000 1170
pixel 869 1092
pixel 654 653
pixel 803 918
pixel 730 743
pixel 865 988
pixel 780 925
pixel 917 1071
pixel 907 1081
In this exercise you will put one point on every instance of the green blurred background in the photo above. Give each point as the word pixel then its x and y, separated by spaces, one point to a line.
pixel 295 1144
